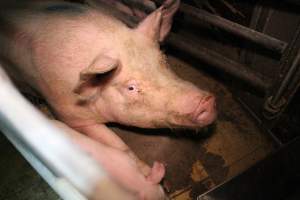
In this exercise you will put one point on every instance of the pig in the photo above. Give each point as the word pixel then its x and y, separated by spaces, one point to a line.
pixel 130 9
pixel 92 69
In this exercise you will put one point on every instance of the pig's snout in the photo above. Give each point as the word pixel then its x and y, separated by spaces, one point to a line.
pixel 205 112
pixel 194 110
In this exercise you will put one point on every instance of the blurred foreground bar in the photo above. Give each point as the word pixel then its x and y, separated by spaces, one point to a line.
pixel 68 170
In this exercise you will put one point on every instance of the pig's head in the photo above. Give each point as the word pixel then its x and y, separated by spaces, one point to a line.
pixel 133 84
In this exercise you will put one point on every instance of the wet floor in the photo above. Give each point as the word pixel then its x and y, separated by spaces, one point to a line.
pixel 195 163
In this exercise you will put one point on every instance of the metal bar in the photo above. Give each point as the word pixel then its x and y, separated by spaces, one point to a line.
pixel 287 79
pixel 236 29
pixel 283 93
pixel 68 170
pixel 229 26
pixel 217 60
pixel 60 185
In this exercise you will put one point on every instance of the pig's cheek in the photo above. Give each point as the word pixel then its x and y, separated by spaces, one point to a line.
pixel 131 100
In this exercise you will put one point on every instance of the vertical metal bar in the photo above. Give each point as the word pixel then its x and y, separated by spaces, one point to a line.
pixel 287 79
pixel 280 97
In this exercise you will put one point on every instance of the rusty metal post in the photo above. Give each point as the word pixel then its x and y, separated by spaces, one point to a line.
pixel 275 104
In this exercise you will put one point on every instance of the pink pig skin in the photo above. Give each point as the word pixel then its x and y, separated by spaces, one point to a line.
pixel 93 69
pixel 119 162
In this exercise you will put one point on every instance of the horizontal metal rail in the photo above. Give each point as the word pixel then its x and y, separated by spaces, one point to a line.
pixel 286 81
pixel 219 61
pixel 246 33
pixel 249 34
pixel 277 101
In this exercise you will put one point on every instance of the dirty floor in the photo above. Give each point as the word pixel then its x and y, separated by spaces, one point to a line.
pixel 196 162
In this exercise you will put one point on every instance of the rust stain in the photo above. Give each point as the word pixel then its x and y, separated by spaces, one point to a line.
pixel 198 172
pixel 183 194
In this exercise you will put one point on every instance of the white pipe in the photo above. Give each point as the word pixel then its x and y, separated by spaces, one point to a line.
pixel 68 170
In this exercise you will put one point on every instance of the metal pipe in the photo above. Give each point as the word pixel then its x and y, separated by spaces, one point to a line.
pixel 217 60
pixel 277 101
pixel 249 34
pixel 68 170
pixel 231 27
pixel 287 79
pixel 234 28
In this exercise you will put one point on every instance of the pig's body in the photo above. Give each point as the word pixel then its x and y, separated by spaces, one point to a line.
pixel 93 69
pixel 58 38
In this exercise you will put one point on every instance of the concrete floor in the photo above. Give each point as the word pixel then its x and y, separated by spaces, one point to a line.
pixel 18 181
pixel 195 163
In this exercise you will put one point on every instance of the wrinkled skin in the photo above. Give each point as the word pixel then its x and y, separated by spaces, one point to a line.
pixel 92 69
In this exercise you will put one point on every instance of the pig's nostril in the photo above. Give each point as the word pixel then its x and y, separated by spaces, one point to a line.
pixel 205 112
pixel 208 98
pixel 202 114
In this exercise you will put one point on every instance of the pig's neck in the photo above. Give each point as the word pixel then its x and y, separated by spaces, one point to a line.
pixel 75 115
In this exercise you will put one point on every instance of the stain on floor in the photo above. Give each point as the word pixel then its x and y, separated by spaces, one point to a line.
pixel 195 163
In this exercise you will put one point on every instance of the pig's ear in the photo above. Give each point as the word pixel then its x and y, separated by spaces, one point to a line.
pixel 158 24
pixel 90 78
